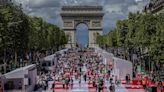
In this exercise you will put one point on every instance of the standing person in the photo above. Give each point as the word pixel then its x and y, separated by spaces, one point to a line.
pixel 101 85
pixel 159 87
pixel 71 83
pixel 85 77
pixel 44 85
pixel 80 69
pixel 1 89
pixel 97 86
pixel 63 83
pixel 89 79
pixel 111 80
pixel 80 81
pixel 116 81
pixel 53 86
pixel 94 83
pixel 109 72
pixel 46 81
pixel 76 75
pixel 110 88
pixel 129 79
pixel 126 78
pixel 113 88
pixel 144 83
pixel 69 79
pixel 67 83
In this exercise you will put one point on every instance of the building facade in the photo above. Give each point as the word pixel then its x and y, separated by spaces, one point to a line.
pixel 155 7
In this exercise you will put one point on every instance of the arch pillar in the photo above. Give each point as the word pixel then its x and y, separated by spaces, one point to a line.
pixel 71 38
pixel 92 37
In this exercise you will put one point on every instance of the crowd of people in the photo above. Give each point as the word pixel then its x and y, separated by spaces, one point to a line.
pixel 81 64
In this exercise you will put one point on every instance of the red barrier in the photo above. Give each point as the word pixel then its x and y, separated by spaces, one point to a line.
pixel 133 82
pixel 137 82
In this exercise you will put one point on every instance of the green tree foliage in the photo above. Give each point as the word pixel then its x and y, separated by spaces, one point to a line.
pixel 20 33
pixel 143 32
pixel 14 29
pixel 99 39
pixel 44 35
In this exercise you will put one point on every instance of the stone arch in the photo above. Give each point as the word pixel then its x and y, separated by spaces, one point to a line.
pixel 89 15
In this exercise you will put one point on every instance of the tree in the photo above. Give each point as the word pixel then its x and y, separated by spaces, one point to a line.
pixel 14 30
pixel 21 34
pixel 140 34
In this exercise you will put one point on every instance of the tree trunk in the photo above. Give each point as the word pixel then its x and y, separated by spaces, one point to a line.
pixel 124 53
pixel 15 61
pixel 140 53
pixel 149 64
pixel 152 66
pixel 4 61
pixel 4 58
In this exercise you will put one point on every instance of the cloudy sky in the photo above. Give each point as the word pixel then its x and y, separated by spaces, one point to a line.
pixel 49 10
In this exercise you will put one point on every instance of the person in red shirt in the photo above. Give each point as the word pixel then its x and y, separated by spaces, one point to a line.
pixel 144 83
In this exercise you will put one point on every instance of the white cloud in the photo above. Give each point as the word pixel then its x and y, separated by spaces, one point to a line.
pixel 138 0
pixel 113 8
pixel 44 3
pixel 133 8
pixel 139 7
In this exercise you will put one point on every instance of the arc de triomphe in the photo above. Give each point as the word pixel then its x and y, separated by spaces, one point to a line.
pixel 89 15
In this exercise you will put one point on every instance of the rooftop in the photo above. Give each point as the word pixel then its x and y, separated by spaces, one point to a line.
pixel 18 73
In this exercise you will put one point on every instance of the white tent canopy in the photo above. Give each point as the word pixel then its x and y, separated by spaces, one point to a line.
pixel 50 57
pixel 120 67
pixel 19 73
